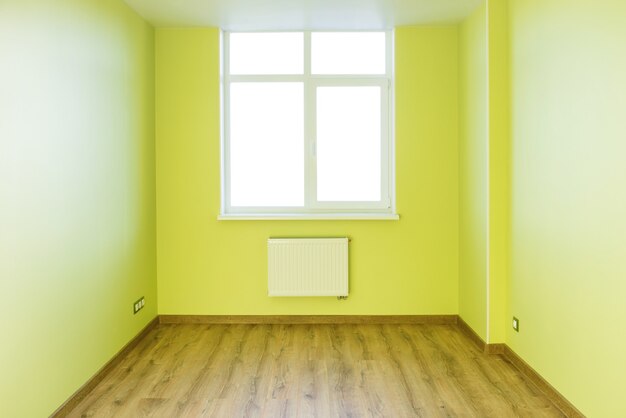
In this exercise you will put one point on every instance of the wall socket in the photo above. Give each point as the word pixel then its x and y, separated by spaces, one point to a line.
pixel 516 324
pixel 138 305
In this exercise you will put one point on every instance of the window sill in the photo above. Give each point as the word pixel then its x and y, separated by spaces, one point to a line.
pixel 310 217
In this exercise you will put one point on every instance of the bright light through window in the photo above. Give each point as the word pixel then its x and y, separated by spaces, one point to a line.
pixel 348 53
pixel 267 53
pixel 306 128
pixel 348 143
pixel 267 144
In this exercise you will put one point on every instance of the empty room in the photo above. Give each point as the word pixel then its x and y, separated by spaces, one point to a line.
pixel 312 208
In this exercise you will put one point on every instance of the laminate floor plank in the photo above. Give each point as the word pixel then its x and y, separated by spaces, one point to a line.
pixel 267 371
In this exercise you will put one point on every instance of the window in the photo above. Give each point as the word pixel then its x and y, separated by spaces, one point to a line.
pixel 307 125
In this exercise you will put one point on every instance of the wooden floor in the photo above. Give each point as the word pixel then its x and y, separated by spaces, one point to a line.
pixel 313 371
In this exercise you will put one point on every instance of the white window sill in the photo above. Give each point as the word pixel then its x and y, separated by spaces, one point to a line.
pixel 310 217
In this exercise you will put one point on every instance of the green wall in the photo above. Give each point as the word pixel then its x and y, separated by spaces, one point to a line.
pixel 499 167
pixel 473 170
pixel 77 194
pixel 207 266
pixel 484 180
pixel 568 265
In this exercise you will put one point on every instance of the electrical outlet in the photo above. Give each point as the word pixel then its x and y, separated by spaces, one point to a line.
pixel 516 324
pixel 138 305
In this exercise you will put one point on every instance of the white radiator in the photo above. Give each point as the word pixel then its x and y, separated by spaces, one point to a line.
pixel 307 266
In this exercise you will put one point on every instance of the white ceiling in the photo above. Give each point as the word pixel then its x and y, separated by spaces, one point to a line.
pixel 241 15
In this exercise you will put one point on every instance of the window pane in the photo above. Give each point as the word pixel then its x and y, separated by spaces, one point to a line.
pixel 348 143
pixel 267 144
pixel 348 53
pixel 266 53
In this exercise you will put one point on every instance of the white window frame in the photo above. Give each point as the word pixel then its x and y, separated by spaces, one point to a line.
pixel 313 209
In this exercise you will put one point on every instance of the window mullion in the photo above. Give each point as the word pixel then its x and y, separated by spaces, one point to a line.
pixel 266 78
pixel 385 144
pixel 309 127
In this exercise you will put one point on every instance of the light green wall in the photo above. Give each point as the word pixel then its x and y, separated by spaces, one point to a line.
pixel 499 166
pixel 568 266
pixel 77 194
pixel 473 170
pixel 207 266
pixel 484 181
